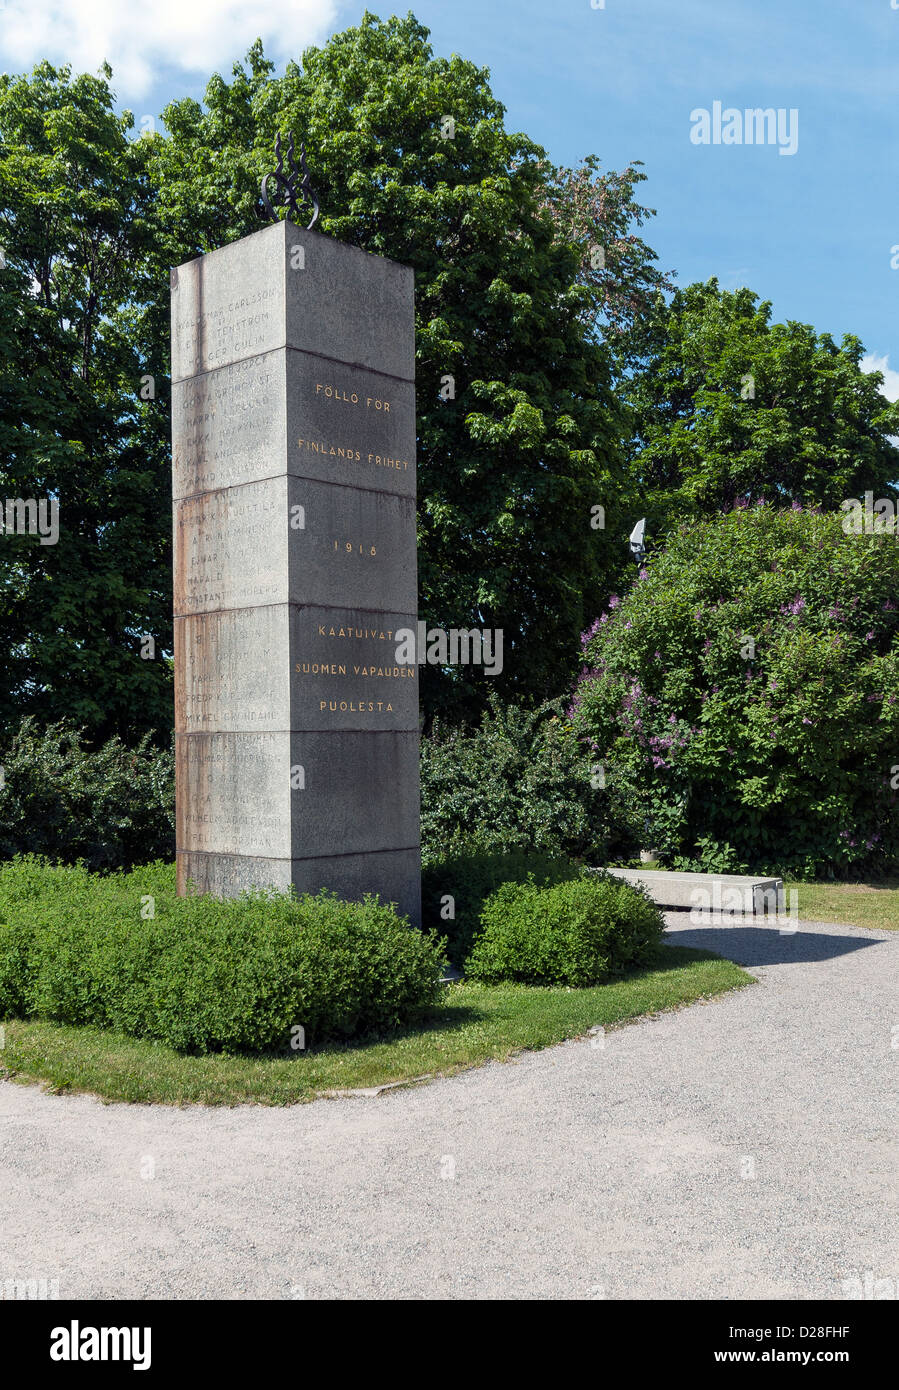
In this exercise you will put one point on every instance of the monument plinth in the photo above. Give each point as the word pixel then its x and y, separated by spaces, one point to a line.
pixel 293 441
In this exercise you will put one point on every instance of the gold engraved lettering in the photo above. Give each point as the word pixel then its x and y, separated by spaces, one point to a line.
pixel 356 706
pixel 395 673
pixel 350 546
pixel 318 668
pixel 337 393
pixel 318 446
pixel 361 633
pixel 384 461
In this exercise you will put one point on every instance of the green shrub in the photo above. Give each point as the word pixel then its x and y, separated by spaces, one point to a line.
pixel 112 807
pixel 745 696
pixel 16 940
pixel 468 880
pixel 519 781
pixel 202 974
pixel 574 933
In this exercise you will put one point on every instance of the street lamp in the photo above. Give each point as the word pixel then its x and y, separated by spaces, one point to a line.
pixel 636 541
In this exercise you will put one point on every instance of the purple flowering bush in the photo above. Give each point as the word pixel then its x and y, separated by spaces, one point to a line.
pixel 744 696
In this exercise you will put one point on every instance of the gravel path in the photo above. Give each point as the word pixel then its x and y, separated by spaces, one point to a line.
pixel 742 1148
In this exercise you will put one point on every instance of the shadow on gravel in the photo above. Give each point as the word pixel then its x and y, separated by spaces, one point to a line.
pixel 768 945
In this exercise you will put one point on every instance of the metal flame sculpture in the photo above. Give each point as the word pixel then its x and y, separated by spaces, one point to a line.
pixel 289 185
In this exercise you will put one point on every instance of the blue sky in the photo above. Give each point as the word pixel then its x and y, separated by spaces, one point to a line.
pixel 812 231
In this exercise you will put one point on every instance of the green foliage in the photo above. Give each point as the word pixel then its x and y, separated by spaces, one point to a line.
pixel 597 213
pixel 112 807
pixel 507 303
pixel 468 879
pixel 202 974
pixel 509 469
pixel 728 405
pixel 517 781
pixel 573 933
pixel 745 695
pixel 83 319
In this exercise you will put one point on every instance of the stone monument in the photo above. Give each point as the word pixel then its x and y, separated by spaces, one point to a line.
pixel 293 446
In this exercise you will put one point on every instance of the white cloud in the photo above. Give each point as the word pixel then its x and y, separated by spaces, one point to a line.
pixel 139 37
pixel 872 363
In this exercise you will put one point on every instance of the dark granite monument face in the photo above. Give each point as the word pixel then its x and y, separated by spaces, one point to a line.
pixel 293 430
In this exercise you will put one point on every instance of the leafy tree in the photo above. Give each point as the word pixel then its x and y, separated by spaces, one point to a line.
pixel 597 212
pixel 511 469
pixel 745 695
pixel 728 405
pixel 80 325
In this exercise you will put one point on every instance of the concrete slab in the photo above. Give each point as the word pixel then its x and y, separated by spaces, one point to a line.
pixel 709 892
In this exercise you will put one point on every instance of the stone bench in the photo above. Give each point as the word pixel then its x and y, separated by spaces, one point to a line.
pixel 709 892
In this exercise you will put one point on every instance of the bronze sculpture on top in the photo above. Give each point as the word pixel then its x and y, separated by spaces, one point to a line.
pixel 285 195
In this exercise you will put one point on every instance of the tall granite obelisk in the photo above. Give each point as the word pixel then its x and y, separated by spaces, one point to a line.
pixel 293 424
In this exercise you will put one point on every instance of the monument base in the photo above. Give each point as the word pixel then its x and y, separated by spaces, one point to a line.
pixel 395 875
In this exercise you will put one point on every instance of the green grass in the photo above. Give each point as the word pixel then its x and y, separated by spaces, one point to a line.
pixel 476 1024
pixel 874 904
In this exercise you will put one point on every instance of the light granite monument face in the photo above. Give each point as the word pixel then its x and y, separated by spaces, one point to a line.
pixel 293 434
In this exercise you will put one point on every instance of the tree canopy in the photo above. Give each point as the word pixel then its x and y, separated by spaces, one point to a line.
pixel 560 393
pixel 727 405
pixel 81 324
pixel 515 457
pixel 516 451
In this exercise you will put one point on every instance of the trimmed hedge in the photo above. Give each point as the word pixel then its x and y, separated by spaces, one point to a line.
pixel 574 933
pixel 202 974
pixel 469 879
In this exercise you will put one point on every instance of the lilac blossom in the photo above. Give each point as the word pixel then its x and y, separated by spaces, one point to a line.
pixel 796 606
